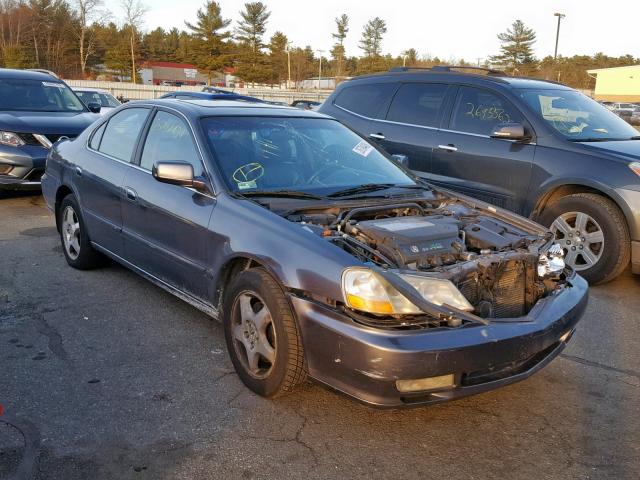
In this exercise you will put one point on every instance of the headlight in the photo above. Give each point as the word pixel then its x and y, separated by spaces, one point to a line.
pixel 635 167
pixel 11 139
pixel 551 262
pixel 366 291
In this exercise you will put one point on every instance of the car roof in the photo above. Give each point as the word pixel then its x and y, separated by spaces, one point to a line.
pixel 443 76
pixel 89 89
pixel 206 108
pixel 27 75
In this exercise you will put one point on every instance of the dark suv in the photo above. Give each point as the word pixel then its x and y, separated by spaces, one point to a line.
pixel 536 147
pixel 36 110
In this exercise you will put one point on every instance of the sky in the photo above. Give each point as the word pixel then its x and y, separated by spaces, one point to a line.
pixel 448 29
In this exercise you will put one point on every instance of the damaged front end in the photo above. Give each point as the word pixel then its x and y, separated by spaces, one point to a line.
pixel 440 262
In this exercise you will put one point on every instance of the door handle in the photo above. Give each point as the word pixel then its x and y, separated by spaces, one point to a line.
pixel 377 136
pixel 78 171
pixel 448 148
pixel 130 193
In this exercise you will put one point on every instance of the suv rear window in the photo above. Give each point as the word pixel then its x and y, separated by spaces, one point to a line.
pixel 365 100
pixel 418 104
pixel 479 111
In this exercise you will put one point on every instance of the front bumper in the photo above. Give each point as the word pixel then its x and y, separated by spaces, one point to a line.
pixel 630 205
pixel 26 165
pixel 366 362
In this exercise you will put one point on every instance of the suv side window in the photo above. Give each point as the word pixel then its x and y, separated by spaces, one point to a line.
pixel 169 140
pixel 365 100
pixel 478 111
pixel 120 135
pixel 418 104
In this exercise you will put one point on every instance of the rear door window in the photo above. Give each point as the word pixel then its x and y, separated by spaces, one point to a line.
pixel 121 133
pixel 478 111
pixel 366 100
pixel 418 104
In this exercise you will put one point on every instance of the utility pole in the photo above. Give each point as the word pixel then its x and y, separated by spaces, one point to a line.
pixel 288 50
pixel 320 68
pixel 560 17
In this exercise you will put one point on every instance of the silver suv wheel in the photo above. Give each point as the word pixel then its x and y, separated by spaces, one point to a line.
pixel 581 238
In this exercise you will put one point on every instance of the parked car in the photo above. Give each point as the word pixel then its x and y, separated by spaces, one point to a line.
pixel 306 104
pixel 536 147
pixel 321 255
pixel 99 96
pixel 221 91
pixel 36 109
pixel 211 96
pixel 623 107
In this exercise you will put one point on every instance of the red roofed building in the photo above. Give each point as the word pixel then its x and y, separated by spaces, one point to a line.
pixel 169 73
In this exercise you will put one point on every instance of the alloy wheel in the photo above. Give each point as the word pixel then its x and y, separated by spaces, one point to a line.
pixel 71 232
pixel 254 334
pixel 581 238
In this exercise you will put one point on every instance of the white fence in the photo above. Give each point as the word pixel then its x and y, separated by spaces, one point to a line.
pixel 143 92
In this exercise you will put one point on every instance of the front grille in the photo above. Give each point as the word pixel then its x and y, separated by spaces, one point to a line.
pixel 35 175
pixel 29 139
pixel 505 370
pixel 54 137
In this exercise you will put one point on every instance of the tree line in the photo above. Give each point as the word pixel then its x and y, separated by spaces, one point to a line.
pixel 80 39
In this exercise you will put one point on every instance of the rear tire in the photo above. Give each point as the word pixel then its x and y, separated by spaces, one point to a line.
pixel 594 234
pixel 261 334
pixel 76 245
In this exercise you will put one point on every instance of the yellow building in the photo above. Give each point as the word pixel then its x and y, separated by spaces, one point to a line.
pixel 618 84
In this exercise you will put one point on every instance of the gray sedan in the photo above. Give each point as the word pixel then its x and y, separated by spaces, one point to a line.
pixel 322 257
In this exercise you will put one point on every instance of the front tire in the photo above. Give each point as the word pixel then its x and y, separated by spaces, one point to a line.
pixel 76 245
pixel 261 334
pixel 593 233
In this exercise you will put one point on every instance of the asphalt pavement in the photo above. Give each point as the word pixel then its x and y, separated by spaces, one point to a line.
pixel 105 376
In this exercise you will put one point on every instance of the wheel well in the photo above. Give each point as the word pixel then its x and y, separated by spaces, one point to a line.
pixel 228 271
pixel 62 192
pixel 562 191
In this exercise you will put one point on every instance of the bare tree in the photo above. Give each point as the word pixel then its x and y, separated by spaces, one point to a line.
pixel 134 10
pixel 88 11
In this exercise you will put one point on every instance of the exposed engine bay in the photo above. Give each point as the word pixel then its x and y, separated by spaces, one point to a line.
pixel 502 269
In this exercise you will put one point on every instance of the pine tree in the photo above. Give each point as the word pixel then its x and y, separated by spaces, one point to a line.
pixel 211 52
pixel 278 56
pixel 254 65
pixel 338 51
pixel 371 45
pixel 516 51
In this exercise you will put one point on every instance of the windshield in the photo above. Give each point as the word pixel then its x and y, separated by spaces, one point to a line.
pixel 576 116
pixel 311 155
pixel 103 99
pixel 37 96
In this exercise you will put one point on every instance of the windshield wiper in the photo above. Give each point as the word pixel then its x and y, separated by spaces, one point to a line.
pixel 280 194
pixel 596 139
pixel 370 187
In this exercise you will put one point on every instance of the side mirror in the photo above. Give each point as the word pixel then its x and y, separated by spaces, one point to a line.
pixel 509 131
pixel 401 159
pixel 177 173
pixel 94 107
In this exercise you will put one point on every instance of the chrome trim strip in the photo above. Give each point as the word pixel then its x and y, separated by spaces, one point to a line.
pixel 44 141
pixel 384 120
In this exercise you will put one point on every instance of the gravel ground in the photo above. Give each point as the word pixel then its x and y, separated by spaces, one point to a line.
pixel 105 376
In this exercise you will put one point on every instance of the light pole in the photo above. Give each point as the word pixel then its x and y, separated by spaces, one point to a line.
pixel 288 50
pixel 320 68
pixel 560 17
